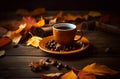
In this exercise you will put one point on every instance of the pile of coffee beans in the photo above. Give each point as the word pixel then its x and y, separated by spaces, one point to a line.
pixel 45 64
pixel 54 46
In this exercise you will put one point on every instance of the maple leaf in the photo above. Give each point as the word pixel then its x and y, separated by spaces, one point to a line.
pixel 98 69
pixel 30 21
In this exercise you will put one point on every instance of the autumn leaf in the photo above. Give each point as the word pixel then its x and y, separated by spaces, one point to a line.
pixel 94 13
pixel 69 75
pixel 16 35
pixel 85 75
pixel 51 75
pixel 34 41
pixel 72 17
pixel 98 69
pixel 40 23
pixel 21 27
pixel 53 21
pixel 29 21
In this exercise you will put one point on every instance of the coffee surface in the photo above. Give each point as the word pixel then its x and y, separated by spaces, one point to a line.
pixel 64 28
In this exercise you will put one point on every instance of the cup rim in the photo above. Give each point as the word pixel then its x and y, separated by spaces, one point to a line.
pixel 72 26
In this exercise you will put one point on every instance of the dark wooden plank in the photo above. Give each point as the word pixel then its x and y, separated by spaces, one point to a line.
pixel 21 62
pixel 100 41
pixel 18 66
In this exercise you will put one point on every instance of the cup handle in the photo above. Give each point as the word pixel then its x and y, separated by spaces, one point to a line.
pixel 81 35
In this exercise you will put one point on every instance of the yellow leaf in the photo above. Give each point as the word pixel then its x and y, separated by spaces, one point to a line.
pixel 21 27
pixel 69 75
pixel 94 13
pixel 34 41
pixel 98 69
pixel 15 35
pixel 16 39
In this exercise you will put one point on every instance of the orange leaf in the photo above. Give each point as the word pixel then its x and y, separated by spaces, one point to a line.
pixel 40 23
pixel 69 75
pixel 85 75
pixel 30 21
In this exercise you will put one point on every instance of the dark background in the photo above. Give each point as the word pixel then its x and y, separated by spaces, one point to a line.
pixel 105 5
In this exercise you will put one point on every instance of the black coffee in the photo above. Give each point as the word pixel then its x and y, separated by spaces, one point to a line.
pixel 63 28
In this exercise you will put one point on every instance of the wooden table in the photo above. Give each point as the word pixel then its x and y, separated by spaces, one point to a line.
pixel 104 49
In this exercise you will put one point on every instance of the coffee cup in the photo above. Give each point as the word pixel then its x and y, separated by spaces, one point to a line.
pixel 64 33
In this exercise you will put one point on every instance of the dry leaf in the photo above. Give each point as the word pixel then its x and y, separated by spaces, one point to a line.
pixel 51 76
pixel 29 21
pixel 94 13
pixel 34 41
pixel 4 41
pixel 53 21
pixel 72 17
pixel 8 34
pixel 85 75
pixel 15 35
pixel 69 75
pixel 21 27
pixel 98 69
pixel 16 39
pixel 40 23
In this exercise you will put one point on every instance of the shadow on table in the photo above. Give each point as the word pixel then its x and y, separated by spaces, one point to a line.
pixel 89 52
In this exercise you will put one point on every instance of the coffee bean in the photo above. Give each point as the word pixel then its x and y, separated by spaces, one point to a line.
pixel 53 45
pixel 59 67
pixel 67 67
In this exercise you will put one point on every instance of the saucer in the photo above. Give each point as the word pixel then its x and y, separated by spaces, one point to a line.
pixel 84 40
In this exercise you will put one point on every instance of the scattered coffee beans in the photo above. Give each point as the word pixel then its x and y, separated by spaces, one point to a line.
pixel 53 45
